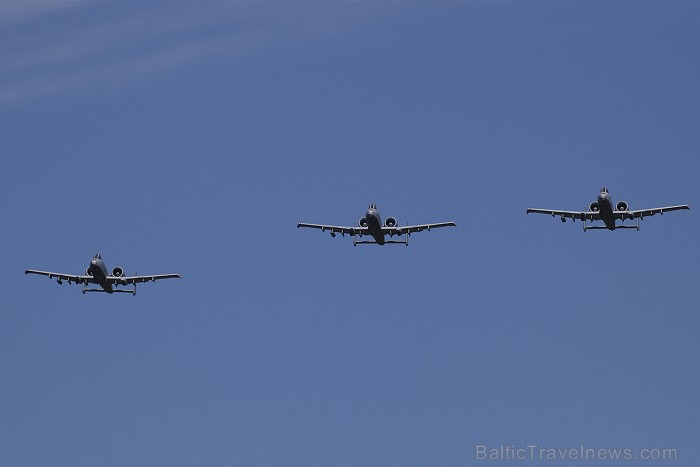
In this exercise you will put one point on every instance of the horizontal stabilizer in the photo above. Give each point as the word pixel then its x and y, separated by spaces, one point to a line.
pixel 133 292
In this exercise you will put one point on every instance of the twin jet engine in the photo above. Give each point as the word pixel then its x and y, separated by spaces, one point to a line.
pixel 389 222
pixel 620 206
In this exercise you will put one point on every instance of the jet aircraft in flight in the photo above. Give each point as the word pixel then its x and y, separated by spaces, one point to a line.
pixel 372 225
pixel 96 273
pixel 604 210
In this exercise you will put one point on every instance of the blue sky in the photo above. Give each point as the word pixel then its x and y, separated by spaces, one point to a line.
pixel 192 137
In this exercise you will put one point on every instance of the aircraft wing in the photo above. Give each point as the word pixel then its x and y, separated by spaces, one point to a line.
pixel 633 214
pixel 139 279
pixel 64 277
pixel 580 215
pixel 409 229
pixel 336 229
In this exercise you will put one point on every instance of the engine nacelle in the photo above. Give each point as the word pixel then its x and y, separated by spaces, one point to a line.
pixel 363 222
pixel 117 272
pixel 390 222
pixel 594 206
pixel 87 272
pixel 622 206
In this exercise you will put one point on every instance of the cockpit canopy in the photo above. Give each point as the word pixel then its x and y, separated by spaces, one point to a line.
pixel 97 256
pixel 372 206
pixel 603 190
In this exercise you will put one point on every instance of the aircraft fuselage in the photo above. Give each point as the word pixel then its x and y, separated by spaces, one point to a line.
pixel 374 225
pixel 605 207
pixel 98 270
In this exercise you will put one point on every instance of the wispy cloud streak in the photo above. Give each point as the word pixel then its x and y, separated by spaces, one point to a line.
pixel 52 47
pixel 20 11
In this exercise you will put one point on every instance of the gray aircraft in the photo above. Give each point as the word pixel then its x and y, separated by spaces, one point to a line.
pixel 372 225
pixel 602 210
pixel 96 273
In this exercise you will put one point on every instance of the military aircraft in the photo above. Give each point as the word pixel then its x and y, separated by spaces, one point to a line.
pixel 97 273
pixel 371 225
pixel 602 210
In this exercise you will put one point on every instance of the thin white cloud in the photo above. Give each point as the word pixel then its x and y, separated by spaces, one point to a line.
pixel 45 51
pixel 115 73
pixel 19 11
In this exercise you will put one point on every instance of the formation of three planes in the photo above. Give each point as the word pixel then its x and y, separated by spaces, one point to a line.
pixel 370 225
